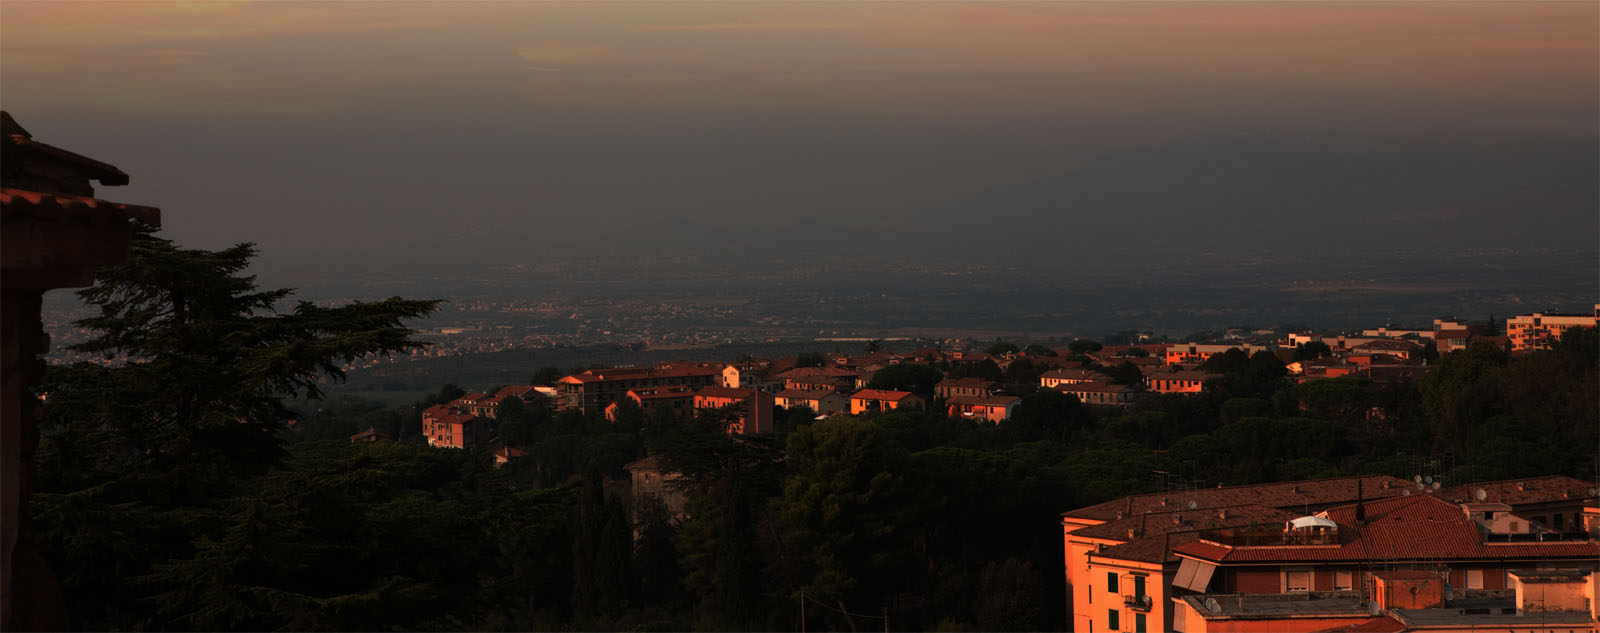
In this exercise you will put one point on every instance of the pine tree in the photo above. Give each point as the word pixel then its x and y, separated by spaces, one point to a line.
pixel 139 455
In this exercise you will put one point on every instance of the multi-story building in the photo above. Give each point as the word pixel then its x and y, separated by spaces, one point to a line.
pixel 820 379
pixel 951 387
pixel 592 390
pixel 1536 331
pixel 1180 353
pixel 882 400
pixel 1132 563
pixel 754 408
pixel 1057 377
pixel 986 408
pixel 823 402
pixel 676 401
pixel 1183 381
pixel 1100 393
pixel 445 426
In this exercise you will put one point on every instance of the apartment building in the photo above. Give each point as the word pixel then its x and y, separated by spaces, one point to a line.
pixel 1536 331
pixel 591 391
pixel 754 408
pixel 1130 562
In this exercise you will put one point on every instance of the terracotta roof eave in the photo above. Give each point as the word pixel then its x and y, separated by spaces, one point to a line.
pixel 21 203
pixel 107 174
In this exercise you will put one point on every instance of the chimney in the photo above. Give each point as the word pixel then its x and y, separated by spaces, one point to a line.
pixel 1222 514
pixel 1361 506
pixel 1521 487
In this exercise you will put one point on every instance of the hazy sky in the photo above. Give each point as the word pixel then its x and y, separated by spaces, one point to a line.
pixel 383 134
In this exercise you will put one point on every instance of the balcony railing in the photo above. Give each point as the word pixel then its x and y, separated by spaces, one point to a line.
pixel 1137 603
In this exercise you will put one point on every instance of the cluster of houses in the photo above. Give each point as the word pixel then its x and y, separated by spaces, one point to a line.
pixel 1370 553
pixel 754 388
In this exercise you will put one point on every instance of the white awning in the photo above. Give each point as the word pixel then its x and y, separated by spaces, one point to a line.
pixel 1305 522
pixel 1194 575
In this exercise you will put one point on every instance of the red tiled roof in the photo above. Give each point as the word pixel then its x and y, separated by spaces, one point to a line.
pixel 636 373
pixel 663 393
pixel 880 394
pixel 1520 491
pixel 724 392
pixel 1381 624
pixel 1289 494
pixel 19 203
pixel 967 382
pixel 514 390
pixel 818 372
pixel 1074 374
pixel 1415 527
pixel 1093 387
pixel 983 401
pixel 802 394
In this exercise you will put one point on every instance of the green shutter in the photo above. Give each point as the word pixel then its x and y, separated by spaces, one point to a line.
pixel 1138 623
pixel 1138 586
pixel 1111 581
pixel 1112 617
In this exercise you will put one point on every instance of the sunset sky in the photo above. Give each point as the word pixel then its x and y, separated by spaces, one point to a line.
pixel 342 132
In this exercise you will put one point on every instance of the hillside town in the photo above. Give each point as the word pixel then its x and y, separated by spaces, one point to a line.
pixel 1372 553
pixel 974 384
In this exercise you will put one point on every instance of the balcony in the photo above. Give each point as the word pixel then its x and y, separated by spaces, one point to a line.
pixel 1137 603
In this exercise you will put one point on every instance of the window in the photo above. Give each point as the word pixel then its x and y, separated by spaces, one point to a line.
pixel 1138 586
pixel 1111 582
pixel 1138 623
pixel 1113 620
pixel 1474 578
pixel 1343 581
pixel 1297 580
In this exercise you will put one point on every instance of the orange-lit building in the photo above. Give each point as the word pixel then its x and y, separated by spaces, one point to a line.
pixel 986 408
pixel 882 400
pixel 1180 353
pixel 952 387
pixel 1153 559
pixel 676 401
pixel 1100 393
pixel 1536 331
pixel 823 402
pixel 820 379
pixel 592 390
pixel 1057 377
pixel 754 408
pixel 1182 381
pixel 444 426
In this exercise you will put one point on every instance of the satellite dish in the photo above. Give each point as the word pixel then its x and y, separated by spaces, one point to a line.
pixel 1436 485
pixel 1212 606
pixel 1372 608
pixel 1193 505
pixel 1416 478
pixel 1405 492
pixel 1480 494
pixel 1428 479
pixel 1421 485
